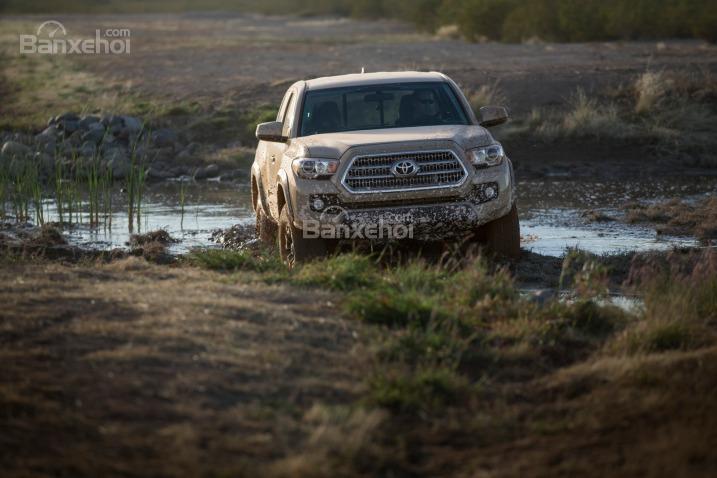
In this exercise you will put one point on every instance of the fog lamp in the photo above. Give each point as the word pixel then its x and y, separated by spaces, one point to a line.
pixel 318 204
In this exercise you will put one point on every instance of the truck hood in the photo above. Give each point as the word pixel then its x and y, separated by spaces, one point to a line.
pixel 334 145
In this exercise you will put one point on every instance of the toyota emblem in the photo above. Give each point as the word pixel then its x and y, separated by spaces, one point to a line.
pixel 405 169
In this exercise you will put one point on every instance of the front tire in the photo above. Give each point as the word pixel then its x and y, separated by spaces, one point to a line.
pixel 294 248
pixel 502 236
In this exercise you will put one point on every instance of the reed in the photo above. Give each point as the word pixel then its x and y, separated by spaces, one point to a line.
pixel 80 189
pixel 108 180
pixel 21 189
pixel 182 200
pixel 92 175
pixel 4 187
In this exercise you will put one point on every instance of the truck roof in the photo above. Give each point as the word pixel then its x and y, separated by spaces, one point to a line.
pixel 358 79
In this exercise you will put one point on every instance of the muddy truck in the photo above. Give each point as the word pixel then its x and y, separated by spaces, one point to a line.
pixel 381 157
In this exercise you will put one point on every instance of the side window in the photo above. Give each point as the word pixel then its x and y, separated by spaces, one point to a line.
pixel 288 117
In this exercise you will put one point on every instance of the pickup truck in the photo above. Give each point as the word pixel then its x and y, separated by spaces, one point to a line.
pixel 381 157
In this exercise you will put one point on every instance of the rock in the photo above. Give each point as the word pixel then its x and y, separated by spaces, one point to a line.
pixel 116 153
pixel 106 147
pixel 51 131
pixel 120 169
pixel 232 175
pixel 118 160
pixel 158 174
pixel 67 149
pixel 69 126
pixel 192 148
pixel 75 139
pixel 209 171
pixel 184 155
pixel 68 117
pixel 161 154
pixel 87 150
pixel 46 162
pixel 134 125
pixel 115 128
pixel 48 135
pixel 86 121
pixel 94 135
pixel 178 171
pixel 13 149
pixel 164 138
pixel 49 147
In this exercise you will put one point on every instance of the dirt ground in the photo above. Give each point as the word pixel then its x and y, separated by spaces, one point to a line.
pixel 131 369
pixel 254 58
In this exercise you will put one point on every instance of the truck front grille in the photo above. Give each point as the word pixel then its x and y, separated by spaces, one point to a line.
pixel 436 169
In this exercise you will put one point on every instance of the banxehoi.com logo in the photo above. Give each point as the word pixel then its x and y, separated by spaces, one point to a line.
pixel 336 223
pixel 51 39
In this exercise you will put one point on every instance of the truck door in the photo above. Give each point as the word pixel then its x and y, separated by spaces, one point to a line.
pixel 275 151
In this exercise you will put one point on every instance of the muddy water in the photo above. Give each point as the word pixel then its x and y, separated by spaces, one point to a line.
pixel 551 214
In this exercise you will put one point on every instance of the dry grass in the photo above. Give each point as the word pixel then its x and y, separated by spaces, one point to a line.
pixel 670 113
pixel 650 90
pixel 490 94
pixel 677 217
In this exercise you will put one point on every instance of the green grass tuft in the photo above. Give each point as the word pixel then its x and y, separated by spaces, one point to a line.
pixel 422 390
pixel 230 261
pixel 345 272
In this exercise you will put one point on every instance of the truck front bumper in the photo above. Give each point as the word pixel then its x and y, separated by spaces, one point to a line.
pixel 489 195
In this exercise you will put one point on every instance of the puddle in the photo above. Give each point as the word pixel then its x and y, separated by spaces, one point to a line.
pixel 550 213
pixel 208 207
pixel 550 231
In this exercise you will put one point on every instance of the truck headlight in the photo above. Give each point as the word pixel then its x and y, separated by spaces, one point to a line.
pixel 309 168
pixel 487 156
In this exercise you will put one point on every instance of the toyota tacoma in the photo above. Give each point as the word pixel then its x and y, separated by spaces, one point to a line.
pixel 381 156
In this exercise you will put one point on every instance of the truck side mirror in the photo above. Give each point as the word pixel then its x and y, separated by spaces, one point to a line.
pixel 271 131
pixel 493 116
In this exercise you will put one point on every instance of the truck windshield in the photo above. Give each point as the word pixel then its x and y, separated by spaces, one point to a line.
pixel 399 105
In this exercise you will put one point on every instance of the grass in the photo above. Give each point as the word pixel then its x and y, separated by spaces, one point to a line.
pixel 232 261
pixel 416 391
pixel 677 217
